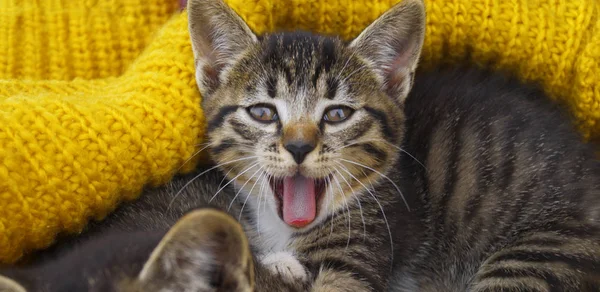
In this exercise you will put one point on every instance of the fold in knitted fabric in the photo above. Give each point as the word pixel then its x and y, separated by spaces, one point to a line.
pixel 98 98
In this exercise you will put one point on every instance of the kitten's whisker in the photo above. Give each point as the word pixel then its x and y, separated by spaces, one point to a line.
pixel 384 141
pixel 193 155
pixel 361 212
pixel 225 177
pixel 260 199
pixel 380 207
pixel 203 173
pixel 267 186
pixel 203 144
pixel 249 194
pixel 400 149
pixel 206 145
pixel 242 187
pixel 347 208
pixel 332 195
pixel 232 180
pixel 345 65
pixel 362 218
pixel 353 72
pixel 382 175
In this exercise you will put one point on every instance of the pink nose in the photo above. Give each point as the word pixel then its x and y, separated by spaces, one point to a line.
pixel 182 3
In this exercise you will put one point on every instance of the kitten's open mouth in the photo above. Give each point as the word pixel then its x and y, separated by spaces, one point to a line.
pixel 298 198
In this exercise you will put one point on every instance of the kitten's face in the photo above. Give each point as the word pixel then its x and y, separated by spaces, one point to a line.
pixel 303 123
pixel 306 115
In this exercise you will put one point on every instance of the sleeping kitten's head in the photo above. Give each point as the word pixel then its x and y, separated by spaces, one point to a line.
pixel 304 121
pixel 205 251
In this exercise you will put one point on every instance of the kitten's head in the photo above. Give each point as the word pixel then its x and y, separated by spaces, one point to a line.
pixel 205 251
pixel 306 121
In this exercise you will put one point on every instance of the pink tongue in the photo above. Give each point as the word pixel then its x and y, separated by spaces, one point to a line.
pixel 299 201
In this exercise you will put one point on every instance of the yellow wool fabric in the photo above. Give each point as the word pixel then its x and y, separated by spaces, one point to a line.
pixel 98 98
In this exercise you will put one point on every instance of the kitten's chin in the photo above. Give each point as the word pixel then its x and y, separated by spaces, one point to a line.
pixel 298 199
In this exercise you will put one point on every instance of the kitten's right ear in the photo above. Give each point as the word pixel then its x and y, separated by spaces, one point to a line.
pixel 392 45
pixel 218 37
pixel 9 285
pixel 206 250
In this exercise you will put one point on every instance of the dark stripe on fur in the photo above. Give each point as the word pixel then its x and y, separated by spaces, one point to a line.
pixel 358 130
pixel 498 288
pixel 382 118
pixel 512 216
pixel 444 223
pixel 573 260
pixel 272 86
pixel 554 283
pixel 217 121
pixel 223 146
pixel 484 177
pixel 241 129
pixel 541 242
pixel 332 86
pixel 507 167
pixel 370 148
pixel 315 77
pixel 328 56
pixel 576 231
pixel 365 274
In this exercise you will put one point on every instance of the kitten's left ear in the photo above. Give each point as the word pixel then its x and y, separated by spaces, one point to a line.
pixel 218 37
pixel 392 44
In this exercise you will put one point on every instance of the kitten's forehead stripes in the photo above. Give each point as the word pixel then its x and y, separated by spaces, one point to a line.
pixel 332 87
pixel 272 86
pixel 294 54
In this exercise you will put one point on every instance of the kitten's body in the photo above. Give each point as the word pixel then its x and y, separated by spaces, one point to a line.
pixel 490 190
pixel 510 196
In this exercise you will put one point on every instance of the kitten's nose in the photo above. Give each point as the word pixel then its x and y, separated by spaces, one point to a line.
pixel 299 149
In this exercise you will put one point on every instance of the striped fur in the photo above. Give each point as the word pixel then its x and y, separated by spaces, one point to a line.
pixel 510 196
pixel 468 181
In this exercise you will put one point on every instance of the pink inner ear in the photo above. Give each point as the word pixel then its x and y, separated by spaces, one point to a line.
pixel 211 76
pixel 398 70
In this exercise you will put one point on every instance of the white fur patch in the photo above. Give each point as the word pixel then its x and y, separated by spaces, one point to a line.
pixel 273 235
pixel 285 265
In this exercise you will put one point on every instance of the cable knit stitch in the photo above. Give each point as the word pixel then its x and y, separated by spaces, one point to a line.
pixel 98 98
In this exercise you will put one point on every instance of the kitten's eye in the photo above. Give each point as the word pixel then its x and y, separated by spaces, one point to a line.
pixel 337 114
pixel 263 113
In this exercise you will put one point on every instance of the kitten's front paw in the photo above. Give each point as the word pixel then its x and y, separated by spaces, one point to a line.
pixel 286 265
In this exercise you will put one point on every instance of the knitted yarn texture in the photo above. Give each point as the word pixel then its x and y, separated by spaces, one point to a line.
pixel 98 98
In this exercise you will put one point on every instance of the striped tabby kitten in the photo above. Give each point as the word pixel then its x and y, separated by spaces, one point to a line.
pixel 347 179
pixel 483 185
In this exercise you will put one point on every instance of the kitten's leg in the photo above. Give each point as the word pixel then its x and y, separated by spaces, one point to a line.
pixel 329 280
pixel 286 265
pixel 560 260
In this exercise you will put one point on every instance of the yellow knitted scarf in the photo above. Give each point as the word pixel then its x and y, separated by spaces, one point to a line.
pixel 98 98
